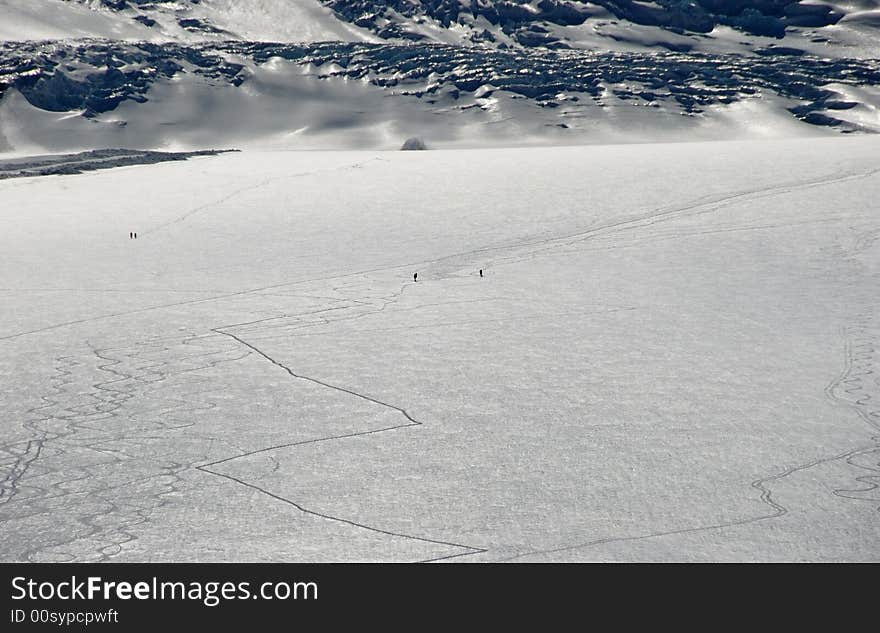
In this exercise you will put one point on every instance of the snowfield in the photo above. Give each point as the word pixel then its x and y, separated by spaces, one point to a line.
pixel 671 355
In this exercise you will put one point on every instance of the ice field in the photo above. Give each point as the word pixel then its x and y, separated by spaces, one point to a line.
pixel 671 356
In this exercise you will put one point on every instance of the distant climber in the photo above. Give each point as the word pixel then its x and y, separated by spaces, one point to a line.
pixel 130 235
pixel 481 272
pixel 415 276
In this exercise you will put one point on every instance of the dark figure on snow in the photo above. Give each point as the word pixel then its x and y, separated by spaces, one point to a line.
pixel 130 235
pixel 481 272
pixel 135 236
pixel 415 276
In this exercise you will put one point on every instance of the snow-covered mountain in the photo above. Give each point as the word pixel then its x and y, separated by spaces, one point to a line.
pixel 182 20
pixel 354 73
pixel 824 28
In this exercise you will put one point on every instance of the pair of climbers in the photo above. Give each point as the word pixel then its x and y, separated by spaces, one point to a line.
pixel 416 275
pixel 132 236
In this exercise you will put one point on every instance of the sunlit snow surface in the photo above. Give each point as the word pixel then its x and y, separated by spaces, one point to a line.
pixel 672 355
pixel 284 20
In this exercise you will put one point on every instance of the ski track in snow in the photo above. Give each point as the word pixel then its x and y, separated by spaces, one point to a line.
pixel 851 382
pixel 230 196
pixel 410 422
pixel 712 204
pixel 85 428
pixel 852 378
pixel 61 421
pixel 851 389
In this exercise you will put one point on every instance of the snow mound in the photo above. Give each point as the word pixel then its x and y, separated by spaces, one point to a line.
pixel 414 144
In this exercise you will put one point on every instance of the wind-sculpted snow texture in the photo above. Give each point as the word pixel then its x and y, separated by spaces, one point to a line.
pixel 671 357
pixel 96 76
